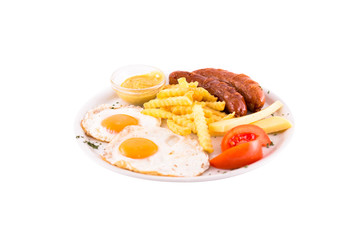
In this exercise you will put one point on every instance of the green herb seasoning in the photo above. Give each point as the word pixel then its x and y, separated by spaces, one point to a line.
pixel 93 145
pixel 271 144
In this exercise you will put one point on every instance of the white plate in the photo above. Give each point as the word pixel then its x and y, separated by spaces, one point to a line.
pixel 108 96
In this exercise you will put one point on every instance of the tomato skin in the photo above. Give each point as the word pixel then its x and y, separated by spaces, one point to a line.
pixel 244 133
pixel 238 156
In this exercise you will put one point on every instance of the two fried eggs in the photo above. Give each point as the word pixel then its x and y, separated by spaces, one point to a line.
pixel 138 143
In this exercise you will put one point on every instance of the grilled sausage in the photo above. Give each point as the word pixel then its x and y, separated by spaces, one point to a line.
pixel 251 90
pixel 234 101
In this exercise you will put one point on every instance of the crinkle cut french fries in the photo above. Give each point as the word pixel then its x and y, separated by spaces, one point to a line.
pixel 188 109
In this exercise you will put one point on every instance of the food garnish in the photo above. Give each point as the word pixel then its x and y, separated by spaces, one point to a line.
pixel 238 156
pixel 93 145
pixel 241 146
pixel 244 133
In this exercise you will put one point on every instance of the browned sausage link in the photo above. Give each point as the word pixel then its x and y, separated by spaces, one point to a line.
pixel 251 90
pixel 234 102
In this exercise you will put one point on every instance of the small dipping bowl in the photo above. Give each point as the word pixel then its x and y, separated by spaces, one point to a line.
pixel 133 95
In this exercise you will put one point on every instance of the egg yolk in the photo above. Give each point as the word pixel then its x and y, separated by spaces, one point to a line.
pixel 118 122
pixel 138 148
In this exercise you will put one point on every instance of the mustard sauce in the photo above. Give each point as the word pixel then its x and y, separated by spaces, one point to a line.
pixel 143 81
pixel 141 88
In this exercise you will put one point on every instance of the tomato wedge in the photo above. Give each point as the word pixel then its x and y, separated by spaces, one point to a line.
pixel 242 134
pixel 238 156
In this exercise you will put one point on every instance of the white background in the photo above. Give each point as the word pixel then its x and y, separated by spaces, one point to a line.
pixel 56 55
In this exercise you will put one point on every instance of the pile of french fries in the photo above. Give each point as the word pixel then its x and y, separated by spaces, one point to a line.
pixel 188 109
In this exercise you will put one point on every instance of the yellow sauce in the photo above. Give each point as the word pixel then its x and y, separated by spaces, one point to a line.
pixel 135 89
pixel 143 81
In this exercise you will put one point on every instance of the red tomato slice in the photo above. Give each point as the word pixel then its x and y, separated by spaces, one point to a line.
pixel 242 134
pixel 238 156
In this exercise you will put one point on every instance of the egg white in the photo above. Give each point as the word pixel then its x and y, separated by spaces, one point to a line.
pixel 91 122
pixel 176 156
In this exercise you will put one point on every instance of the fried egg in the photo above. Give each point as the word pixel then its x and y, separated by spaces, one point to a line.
pixel 106 121
pixel 156 151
